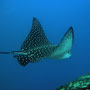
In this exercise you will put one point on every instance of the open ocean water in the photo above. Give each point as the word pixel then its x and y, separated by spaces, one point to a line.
pixel 55 16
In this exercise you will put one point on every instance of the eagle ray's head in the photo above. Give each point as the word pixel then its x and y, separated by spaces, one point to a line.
pixel 67 55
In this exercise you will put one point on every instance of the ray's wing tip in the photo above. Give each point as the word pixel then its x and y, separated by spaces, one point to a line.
pixel 71 28
pixel 72 32
pixel 35 19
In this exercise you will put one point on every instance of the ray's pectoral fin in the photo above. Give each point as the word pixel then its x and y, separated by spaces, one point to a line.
pixel 63 50
pixel 34 39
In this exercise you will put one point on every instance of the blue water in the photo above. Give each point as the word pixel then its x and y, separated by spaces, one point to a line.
pixel 56 16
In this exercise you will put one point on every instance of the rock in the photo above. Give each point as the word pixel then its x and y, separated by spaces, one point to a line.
pixel 82 83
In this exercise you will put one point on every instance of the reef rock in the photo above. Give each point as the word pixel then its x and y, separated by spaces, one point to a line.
pixel 82 83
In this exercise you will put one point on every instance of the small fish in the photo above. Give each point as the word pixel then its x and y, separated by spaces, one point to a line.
pixel 36 46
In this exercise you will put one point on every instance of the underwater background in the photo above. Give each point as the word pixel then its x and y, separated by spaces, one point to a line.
pixel 55 16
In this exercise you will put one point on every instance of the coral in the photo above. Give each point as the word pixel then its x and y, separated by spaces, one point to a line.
pixel 82 83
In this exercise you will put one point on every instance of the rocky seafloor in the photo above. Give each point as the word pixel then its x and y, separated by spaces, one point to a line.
pixel 82 83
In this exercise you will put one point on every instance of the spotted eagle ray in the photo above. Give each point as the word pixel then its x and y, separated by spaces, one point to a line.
pixel 36 46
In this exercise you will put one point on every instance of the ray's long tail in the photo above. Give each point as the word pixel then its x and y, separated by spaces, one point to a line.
pixel 11 52
pixel 15 53
pixel 5 52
